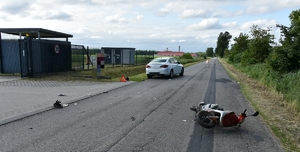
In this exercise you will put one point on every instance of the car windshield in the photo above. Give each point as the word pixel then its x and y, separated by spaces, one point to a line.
pixel 159 60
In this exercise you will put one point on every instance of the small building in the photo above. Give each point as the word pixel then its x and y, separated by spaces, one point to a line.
pixel 119 55
pixel 194 55
pixel 173 53
pixel 33 53
pixel 169 53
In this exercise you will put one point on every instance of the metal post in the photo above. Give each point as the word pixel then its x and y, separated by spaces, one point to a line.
pixel 31 57
pixel 82 49
pixel 21 54
pixel 27 56
pixel 130 63
pixel 136 61
pixel 1 58
pixel 114 57
pixel 121 57
pixel 39 35
pixel 88 57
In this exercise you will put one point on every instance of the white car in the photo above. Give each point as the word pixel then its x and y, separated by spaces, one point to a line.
pixel 164 66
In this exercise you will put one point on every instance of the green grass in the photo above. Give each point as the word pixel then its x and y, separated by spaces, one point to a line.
pixel 286 84
pixel 111 73
pixel 136 73
pixel 284 124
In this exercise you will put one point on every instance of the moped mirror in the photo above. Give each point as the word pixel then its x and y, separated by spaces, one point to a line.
pixel 255 114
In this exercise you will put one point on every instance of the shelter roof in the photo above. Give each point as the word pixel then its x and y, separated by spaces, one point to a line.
pixel 35 32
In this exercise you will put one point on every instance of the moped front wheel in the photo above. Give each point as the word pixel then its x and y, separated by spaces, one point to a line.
pixel 203 119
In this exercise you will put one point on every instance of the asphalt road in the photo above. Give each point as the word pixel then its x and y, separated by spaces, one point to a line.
pixel 150 116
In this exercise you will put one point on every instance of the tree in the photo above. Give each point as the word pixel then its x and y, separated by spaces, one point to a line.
pixel 210 52
pixel 240 46
pixel 259 46
pixel 222 43
pixel 186 56
pixel 285 58
pixel 202 54
pixel 226 52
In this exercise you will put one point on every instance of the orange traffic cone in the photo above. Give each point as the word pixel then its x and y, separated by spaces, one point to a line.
pixel 123 79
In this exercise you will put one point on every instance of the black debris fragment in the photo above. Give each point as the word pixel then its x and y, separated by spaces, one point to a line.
pixel 58 104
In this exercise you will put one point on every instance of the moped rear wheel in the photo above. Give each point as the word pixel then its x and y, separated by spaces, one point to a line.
pixel 204 121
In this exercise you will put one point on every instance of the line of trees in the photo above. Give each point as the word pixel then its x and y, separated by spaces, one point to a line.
pixel 222 43
pixel 210 52
pixel 254 48
pixel 259 46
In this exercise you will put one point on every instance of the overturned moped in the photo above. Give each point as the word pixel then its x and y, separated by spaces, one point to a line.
pixel 210 115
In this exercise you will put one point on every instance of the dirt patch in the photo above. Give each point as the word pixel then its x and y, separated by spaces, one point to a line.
pixel 282 120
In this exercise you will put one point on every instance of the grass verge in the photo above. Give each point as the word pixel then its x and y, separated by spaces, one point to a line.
pixel 272 107
pixel 109 74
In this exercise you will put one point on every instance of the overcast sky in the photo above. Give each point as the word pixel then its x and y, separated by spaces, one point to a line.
pixel 194 25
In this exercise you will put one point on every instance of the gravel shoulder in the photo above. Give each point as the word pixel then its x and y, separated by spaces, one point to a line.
pixel 21 97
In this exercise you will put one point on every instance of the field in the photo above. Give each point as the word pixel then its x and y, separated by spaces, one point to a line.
pixel 111 73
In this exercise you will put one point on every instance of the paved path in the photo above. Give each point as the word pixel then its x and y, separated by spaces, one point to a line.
pixel 20 98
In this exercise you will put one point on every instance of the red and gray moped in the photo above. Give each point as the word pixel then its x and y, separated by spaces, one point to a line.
pixel 211 115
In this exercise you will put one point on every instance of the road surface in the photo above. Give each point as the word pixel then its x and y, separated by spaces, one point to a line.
pixel 152 115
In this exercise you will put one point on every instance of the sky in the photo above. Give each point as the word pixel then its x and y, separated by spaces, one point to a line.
pixel 191 25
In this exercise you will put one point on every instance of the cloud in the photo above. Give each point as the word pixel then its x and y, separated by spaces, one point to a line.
pixel 258 9
pixel 155 35
pixel 205 24
pixel 233 24
pixel 180 41
pixel 115 32
pixel 15 8
pixel 162 12
pixel 54 16
pixel 139 17
pixel 155 24
pixel 264 7
pixel 96 37
pixel 203 36
pixel 116 19
pixel 190 13
pixel 261 23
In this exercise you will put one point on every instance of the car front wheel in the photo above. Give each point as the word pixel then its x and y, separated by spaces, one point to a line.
pixel 171 75
pixel 182 71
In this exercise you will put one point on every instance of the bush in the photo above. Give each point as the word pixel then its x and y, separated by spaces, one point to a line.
pixel 237 58
pixel 284 60
pixel 248 58
pixel 186 56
